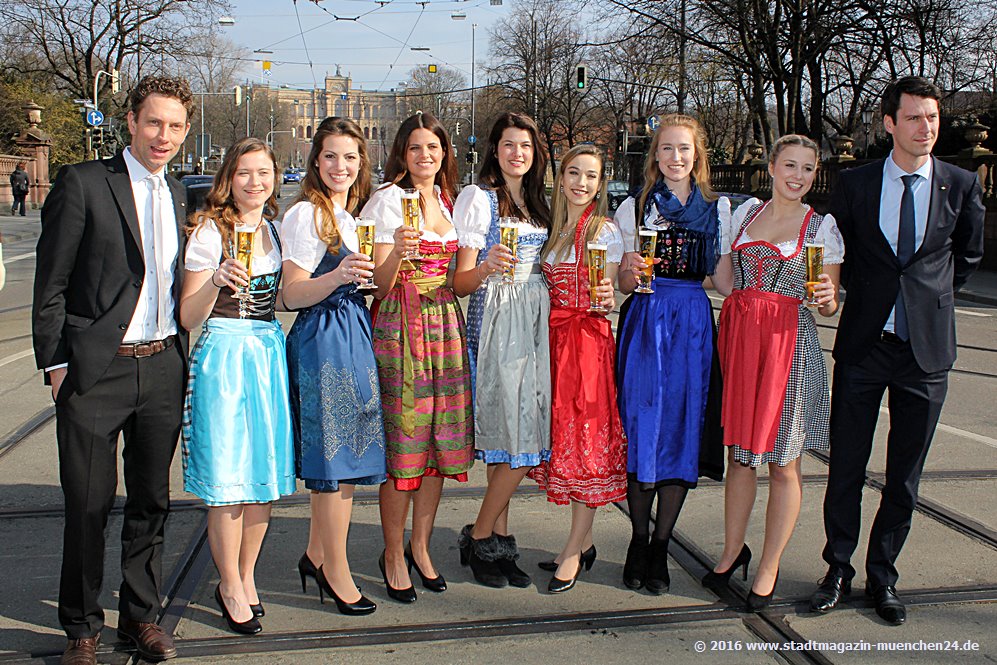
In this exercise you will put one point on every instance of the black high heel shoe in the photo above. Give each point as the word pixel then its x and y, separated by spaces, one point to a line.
pixel 250 627
pixel 406 595
pixel 588 558
pixel 715 580
pixel 306 569
pixel 585 560
pixel 435 584
pixel 757 603
pixel 258 610
pixel 362 606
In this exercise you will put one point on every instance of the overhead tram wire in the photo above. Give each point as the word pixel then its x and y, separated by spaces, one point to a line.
pixel 311 66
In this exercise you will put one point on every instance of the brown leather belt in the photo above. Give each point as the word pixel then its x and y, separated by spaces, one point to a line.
pixel 146 349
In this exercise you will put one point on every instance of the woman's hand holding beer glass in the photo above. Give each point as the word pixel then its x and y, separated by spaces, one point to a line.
pixel 406 241
pixel 500 258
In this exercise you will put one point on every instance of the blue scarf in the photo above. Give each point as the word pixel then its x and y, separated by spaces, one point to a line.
pixel 696 215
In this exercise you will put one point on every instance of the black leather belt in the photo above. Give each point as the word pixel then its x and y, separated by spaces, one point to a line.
pixel 890 337
pixel 146 349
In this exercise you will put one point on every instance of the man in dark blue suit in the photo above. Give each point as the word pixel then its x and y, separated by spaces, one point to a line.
pixel 913 231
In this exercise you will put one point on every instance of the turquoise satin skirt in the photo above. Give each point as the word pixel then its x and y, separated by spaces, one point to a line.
pixel 237 443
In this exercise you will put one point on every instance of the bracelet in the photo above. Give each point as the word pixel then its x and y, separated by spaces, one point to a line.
pixel 217 286
pixel 478 271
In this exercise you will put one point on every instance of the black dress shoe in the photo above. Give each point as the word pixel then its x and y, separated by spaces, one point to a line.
pixel 756 602
pixel 306 569
pixel 718 581
pixel 658 581
pixel 406 595
pixel 557 585
pixel 635 567
pixel 249 627
pixel 829 591
pixel 889 607
pixel 258 610
pixel 588 558
pixel 363 606
pixel 435 584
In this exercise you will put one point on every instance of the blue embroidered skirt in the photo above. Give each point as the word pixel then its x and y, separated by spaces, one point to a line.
pixel 237 445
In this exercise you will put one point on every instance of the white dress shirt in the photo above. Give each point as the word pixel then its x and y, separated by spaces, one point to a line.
pixel 889 207
pixel 159 261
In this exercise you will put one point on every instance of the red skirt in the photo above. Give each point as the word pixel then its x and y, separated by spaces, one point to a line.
pixel 757 340
pixel 588 458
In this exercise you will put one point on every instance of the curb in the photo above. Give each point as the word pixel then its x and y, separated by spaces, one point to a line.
pixel 976 297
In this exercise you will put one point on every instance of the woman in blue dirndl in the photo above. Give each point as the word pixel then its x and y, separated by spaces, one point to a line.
pixel 667 370
pixel 335 399
pixel 237 427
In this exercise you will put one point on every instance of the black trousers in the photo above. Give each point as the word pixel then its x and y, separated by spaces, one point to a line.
pixel 18 201
pixel 141 398
pixel 915 403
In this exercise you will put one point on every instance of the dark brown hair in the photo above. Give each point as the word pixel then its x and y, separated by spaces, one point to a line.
pixel 534 191
pixel 314 190
pixel 220 206
pixel 916 86
pixel 167 86
pixel 395 170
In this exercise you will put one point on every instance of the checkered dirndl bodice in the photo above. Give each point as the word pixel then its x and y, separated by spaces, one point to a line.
pixel 760 265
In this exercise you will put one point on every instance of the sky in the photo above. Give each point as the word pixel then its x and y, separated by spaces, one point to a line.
pixel 371 41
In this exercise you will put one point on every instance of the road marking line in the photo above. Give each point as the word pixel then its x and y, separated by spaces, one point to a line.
pixel 959 310
pixel 19 257
pixel 17 356
pixel 980 438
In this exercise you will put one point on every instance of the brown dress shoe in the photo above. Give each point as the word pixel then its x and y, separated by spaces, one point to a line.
pixel 81 652
pixel 151 642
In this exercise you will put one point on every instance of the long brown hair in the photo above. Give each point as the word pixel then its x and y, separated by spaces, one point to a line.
pixel 220 206
pixel 314 191
pixel 561 237
pixel 700 165
pixel 534 192
pixel 396 171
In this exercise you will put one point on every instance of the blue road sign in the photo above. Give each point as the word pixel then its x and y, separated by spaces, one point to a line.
pixel 95 118
pixel 653 122
pixel 472 139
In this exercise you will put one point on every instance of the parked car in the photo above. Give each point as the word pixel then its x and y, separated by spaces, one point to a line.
pixel 197 190
pixel 617 191
pixel 293 175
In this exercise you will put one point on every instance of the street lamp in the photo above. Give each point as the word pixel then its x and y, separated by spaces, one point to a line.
pixel 866 121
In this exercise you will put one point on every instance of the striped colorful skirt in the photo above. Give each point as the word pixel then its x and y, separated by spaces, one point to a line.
pixel 419 342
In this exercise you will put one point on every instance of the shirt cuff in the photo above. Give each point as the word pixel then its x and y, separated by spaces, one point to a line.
pixel 59 366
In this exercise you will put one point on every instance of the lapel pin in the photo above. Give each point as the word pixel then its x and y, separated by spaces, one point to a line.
pixel 943 187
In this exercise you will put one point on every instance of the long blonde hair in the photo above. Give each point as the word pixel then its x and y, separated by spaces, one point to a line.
pixel 561 237
pixel 700 166
pixel 314 190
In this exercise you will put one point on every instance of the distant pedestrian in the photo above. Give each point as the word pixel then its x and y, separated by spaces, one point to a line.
pixel 20 184
pixel 107 285
pixel 913 226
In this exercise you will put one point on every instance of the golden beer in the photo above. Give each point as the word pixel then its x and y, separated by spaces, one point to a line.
pixel 815 266
pixel 245 236
pixel 648 240
pixel 410 215
pixel 597 272
pixel 365 236
pixel 509 236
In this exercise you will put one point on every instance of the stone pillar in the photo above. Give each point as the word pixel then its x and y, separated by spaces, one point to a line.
pixel 35 144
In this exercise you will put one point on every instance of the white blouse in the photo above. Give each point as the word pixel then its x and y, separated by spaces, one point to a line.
pixel 609 235
pixel 204 251
pixel 301 243
pixel 385 208
pixel 827 234
pixel 472 217
pixel 624 219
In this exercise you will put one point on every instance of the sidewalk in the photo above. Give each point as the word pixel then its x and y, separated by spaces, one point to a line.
pixel 16 228
pixel 981 288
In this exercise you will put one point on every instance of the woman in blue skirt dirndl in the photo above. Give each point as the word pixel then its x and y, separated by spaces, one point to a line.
pixel 335 398
pixel 237 453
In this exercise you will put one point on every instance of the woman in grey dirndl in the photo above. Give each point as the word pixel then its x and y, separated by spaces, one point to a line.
pixel 237 453
pixel 507 325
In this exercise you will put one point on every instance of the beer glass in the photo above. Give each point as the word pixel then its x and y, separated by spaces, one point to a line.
pixel 365 234
pixel 244 237
pixel 410 216
pixel 509 236
pixel 815 266
pixel 597 272
pixel 648 240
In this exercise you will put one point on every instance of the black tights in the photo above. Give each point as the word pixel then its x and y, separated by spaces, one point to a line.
pixel 670 500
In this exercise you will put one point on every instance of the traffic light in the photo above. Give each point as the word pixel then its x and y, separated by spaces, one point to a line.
pixel 582 77
pixel 456 130
pixel 472 157
pixel 115 81
pixel 432 69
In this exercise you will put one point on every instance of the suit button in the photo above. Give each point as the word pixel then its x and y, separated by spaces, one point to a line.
pixel 137 284
pixel 123 326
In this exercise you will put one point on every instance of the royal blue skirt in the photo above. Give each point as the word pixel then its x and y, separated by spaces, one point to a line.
pixel 237 444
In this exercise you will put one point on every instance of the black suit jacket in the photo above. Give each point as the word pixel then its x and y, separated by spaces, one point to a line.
pixel 90 268
pixel 872 275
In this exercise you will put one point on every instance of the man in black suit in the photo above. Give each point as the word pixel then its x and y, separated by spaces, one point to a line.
pixel 913 231
pixel 107 289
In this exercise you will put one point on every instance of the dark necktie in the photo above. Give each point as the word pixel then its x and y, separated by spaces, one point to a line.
pixel 905 250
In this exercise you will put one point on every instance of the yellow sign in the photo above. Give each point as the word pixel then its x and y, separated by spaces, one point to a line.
pixel 432 69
